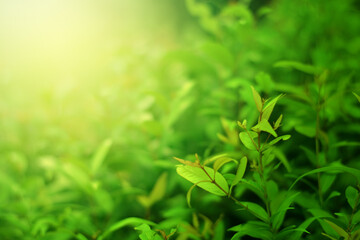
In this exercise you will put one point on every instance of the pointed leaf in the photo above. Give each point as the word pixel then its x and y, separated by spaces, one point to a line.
pixel 240 171
pixel 270 107
pixel 221 161
pixel 338 229
pixel 265 126
pixel 299 66
pixel 284 138
pixel 194 175
pixel 257 210
pixel 351 196
pixel 257 99
pixel 248 142
pixel 159 189
pixel 278 122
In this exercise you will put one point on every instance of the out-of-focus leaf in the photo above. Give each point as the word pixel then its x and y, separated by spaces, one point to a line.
pixel 338 229
pixel 279 213
pixel 299 66
pixel 352 196
pixel 159 189
pixel 100 155
pixel 195 175
pixel 257 99
pixel 79 236
pixel 357 96
pixel 331 169
pixel 132 221
pixel 308 131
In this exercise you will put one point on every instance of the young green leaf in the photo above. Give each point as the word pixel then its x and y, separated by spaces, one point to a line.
pixel 221 161
pixel 257 99
pixel 279 213
pixel 284 138
pixel 278 122
pixel 147 233
pixel 240 171
pixel 299 66
pixel 270 107
pixel 247 138
pixel 352 196
pixel 265 126
pixel 195 175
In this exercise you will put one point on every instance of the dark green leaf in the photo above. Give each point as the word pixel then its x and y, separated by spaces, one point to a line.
pixel 352 196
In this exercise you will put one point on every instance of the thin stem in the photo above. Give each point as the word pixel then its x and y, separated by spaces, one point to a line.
pixel 317 147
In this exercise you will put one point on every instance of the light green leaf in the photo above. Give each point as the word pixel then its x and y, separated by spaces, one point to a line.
pixel 308 131
pixel 248 142
pixel 214 158
pixel 299 66
pixel 357 96
pixel 79 236
pixel 147 233
pixel 100 155
pixel 284 138
pixel 338 229
pixel 278 122
pixel 196 174
pixel 240 171
pixel 257 211
pixel 159 189
pixel 221 161
pixel 132 221
pixel 351 196
pixel 257 99
pixel 265 126
pixel 270 107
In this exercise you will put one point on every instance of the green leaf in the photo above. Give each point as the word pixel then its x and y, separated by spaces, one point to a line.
pixel 299 66
pixel 159 189
pixel 352 196
pixel 248 142
pixel 265 126
pixel 253 229
pixel 257 99
pixel 357 96
pixel 214 158
pixel 132 221
pixel 100 155
pixel 308 131
pixel 338 229
pixel 275 140
pixel 221 161
pixel 147 233
pixel 188 195
pixel 257 211
pixel 196 174
pixel 270 107
pixel 278 122
pixel 279 214
pixel 79 236
pixel 240 171
pixel 331 169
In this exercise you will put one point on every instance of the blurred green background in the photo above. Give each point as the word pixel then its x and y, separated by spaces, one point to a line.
pixel 98 96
